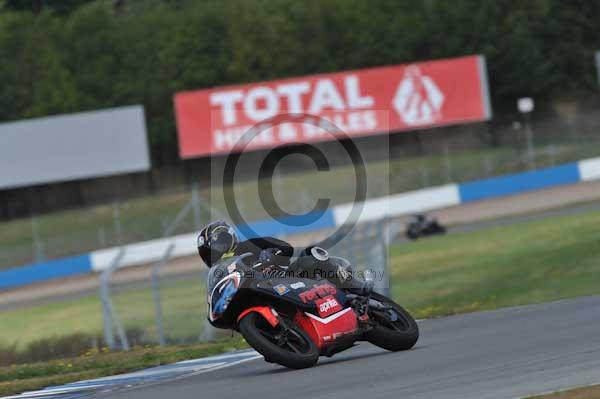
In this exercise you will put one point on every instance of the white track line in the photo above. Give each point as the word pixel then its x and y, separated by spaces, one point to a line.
pixel 213 363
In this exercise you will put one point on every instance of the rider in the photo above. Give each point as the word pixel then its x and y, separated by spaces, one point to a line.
pixel 269 255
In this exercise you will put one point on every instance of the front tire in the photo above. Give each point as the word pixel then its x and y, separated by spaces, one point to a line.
pixel 399 335
pixel 292 348
pixel 413 233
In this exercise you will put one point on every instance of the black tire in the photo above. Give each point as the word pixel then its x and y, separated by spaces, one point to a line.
pixel 255 330
pixel 412 233
pixel 393 336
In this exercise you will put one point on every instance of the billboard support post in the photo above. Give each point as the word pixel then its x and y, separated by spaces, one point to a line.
pixel 447 161
pixel 526 106
pixel 597 57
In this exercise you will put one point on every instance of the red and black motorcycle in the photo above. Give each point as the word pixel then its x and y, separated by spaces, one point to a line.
pixel 293 320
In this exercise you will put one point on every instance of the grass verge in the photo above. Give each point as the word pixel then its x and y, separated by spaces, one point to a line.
pixel 94 364
pixel 183 303
pixel 591 392
pixel 533 262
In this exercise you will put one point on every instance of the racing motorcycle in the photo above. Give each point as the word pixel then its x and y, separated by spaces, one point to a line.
pixel 422 226
pixel 292 321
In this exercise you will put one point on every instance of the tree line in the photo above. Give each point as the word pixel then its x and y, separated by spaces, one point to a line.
pixel 61 56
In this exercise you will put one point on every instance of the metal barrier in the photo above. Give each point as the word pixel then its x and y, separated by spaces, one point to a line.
pixel 108 311
pixel 366 247
pixel 160 328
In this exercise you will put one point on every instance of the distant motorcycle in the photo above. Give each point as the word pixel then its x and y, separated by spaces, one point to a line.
pixel 422 226
pixel 292 321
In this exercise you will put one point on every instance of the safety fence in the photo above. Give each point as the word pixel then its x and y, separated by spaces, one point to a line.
pixel 371 210
pixel 171 309
pixel 446 160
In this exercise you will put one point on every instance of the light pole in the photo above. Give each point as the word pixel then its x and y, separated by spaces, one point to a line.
pixel 526 106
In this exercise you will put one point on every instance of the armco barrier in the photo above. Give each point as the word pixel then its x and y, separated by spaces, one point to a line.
pixel 518 183
pixel 399 204
pixel 394 205
pixel 58 268
pixel 153 250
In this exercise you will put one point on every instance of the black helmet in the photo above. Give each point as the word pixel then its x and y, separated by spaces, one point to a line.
pixel 215 240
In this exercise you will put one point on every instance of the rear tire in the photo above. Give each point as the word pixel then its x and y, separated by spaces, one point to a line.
pixel 393 336
pixel 302 353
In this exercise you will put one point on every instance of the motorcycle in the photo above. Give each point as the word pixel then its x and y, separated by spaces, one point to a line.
pixel 293 320
pixel 422 226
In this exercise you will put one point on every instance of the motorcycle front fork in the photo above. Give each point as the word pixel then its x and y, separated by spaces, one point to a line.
pixel 362 305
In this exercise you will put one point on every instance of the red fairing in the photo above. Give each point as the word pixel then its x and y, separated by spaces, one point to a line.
pixel 325 330
pixel 265 311
pixel 327 306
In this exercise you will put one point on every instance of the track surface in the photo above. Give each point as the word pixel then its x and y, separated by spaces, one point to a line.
pixel 501 354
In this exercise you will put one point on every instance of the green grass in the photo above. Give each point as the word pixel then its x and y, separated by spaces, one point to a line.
pixel 591 392
pixel 184 310
pixel 96 364
pixel 540 261
pixel 78 231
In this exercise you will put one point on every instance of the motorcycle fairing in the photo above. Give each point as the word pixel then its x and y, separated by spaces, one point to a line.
pixel 306 296
pixel 221 295
pixel 329 332
pixel 267 312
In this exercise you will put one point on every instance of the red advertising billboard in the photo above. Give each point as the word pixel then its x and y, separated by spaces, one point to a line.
pixel 360 103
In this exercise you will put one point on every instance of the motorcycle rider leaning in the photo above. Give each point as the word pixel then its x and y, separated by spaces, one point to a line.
pixel 272 257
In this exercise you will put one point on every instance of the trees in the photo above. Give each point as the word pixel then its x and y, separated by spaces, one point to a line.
pixel 72 55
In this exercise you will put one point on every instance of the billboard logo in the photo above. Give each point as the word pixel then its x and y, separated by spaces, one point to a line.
pixel 418 100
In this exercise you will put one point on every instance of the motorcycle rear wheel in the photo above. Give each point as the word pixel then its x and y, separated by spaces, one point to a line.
pixel 292 348
pixel 394 335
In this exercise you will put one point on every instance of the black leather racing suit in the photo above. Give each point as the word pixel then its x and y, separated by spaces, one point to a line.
pixel 305 265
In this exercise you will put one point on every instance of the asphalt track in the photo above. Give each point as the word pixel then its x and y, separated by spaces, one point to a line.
pixel 507 353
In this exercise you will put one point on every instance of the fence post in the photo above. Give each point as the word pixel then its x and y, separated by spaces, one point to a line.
pixel 488 166
pixel 425 181
pixel 447 161
pixel 117 222
pixel 156 294
pixel 196 207
pixel 38 247
pixel 529 141
pixel 101 237
pixel 552 154
pixel 108 312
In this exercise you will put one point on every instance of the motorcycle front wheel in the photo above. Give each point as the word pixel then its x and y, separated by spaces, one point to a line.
pixel 289 346
pixel 396 329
